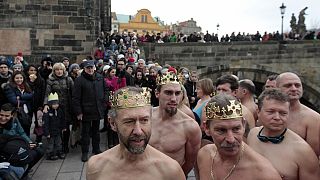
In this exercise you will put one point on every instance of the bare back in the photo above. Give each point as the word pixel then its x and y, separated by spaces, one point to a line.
pixel 178 137
pixel 293 157
pixel 306 123
pixel 155 165
pixel 252 166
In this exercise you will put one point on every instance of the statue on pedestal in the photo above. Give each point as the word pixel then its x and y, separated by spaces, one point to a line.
pixel 301 25
pixel 293 24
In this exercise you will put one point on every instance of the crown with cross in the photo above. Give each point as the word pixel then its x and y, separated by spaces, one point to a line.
pixel 232 111
pixel 169 77
pixel 128 99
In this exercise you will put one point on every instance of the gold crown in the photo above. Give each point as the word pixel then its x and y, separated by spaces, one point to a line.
pixel 126 99
pixel 169 77
pixel 232 111
pixel 53 97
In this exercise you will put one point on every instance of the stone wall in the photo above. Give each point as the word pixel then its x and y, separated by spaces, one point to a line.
pixel 55 27
pixel 252 60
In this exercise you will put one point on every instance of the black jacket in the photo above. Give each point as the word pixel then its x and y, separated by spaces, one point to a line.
pixel 54 122
pixel 89 96
pixel 191 92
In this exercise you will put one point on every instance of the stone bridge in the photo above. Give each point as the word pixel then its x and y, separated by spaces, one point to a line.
pixel 252 60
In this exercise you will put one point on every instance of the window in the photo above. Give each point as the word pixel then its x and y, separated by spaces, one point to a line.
pixel 143 18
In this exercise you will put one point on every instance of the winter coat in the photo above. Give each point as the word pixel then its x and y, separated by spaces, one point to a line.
pixel 89 96
pixel 13 127
pixel 3 80
pixel 54 122
pixel 114 84
pixel 38 87
pixel 13 92
pixel 63 87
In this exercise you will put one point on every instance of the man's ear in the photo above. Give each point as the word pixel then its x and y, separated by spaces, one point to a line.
pixel 113 124
pixel 234 92
pixel 206 129
pixel 157 93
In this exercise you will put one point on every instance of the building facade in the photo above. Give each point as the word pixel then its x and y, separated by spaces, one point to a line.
pixel 186 27
pixel 141 23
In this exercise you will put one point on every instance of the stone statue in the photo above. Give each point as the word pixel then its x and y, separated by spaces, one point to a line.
pixel 301 24
pixel 293 24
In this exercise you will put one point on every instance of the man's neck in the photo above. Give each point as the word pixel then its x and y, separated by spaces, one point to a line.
pixel 295 105
pixel 130 157
pixel 269 133
pixel 164 115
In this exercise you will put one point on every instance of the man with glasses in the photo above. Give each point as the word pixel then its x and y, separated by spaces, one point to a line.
pixel 88 99
pixel 286 150
pixel 5 75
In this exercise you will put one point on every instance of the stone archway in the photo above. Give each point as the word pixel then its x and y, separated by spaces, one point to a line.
pixel 310 96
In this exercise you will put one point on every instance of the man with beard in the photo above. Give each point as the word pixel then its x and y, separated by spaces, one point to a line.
pixel 230 158
pixel 302 120
pixel 287 151
pixel 133 158
pixel 173 132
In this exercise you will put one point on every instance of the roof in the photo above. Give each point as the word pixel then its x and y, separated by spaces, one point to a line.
pixel 122 18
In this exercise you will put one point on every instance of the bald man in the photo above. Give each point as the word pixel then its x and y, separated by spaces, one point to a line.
pixel 302 120
pixel 245 93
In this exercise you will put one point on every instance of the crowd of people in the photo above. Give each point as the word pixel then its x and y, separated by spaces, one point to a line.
pixel 213 126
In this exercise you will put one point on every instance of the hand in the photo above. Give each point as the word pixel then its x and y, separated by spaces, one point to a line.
pixel 48 136
pixel 32 77
pixel 193 99
pixel 63 130
pixel 32 145
pixel 4 165
pixel 45 108
pixel 79 117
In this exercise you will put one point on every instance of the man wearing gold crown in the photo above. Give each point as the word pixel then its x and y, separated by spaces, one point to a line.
pixel 133 158
pixel 173 132
pixel 230 158
pixel 286 150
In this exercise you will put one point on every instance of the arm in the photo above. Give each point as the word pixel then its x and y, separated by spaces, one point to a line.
pixel 313 131
pixel 10 94
pixel 20 131
pixel 192 146
pixel 174 172
pixel 47 92
pixel 45 119
pixel 76 96
pixel 308 164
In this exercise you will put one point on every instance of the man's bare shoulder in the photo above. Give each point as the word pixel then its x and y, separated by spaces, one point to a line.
pixel 259 165
pixel 207 150
pixel 253 133
pixel 309 114
pixel 97 162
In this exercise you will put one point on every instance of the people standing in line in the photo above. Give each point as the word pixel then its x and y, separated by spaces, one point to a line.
pixel 54 125
pixel 59 82
pixel 275 142
pixel 302 120
pixel 133 157
pixel 19 94
pixel 173 132
pixel 89 103
pixel 229 157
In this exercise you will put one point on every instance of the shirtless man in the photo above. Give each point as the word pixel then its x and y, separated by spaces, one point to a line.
pixel 271 82
pixel 288 152
pixel 230 158
pixel 228 84
pixel 133 158
pixel 302 120
pixel 173 132
pixel 246 95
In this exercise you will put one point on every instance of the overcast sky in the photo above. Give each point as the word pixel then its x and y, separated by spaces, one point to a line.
pixel 232 15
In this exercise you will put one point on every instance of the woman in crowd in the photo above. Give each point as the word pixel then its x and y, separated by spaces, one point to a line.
pixel 152 85
pixel 19 93
pixel 37 85
pixel 59 82
pixel 140 79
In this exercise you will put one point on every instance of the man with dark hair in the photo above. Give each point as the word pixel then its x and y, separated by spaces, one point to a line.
pixel 5 75
pixel 275 142
pixel 191 85
pixel 229 84
pixel 245 94
pixel 9 125
pixel 173 132
pixel 271 81
pixel 131 119
pixel 229 157
pixel 302 120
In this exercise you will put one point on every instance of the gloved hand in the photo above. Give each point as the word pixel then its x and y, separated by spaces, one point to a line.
pixel 4 165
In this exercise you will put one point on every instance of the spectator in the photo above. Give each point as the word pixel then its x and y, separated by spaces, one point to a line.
pixel 5 75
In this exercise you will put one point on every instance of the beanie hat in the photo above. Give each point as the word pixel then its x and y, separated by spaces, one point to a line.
pixel 4 62
pixel 106 67
pixel 17 66
pixel 73 66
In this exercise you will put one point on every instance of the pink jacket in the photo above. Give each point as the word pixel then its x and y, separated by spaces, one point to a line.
pixel 113 83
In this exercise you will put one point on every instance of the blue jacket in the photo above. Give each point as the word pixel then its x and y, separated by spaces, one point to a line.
pixel 12 93
pixel 16 129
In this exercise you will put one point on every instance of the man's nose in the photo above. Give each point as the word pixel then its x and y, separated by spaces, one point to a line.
pixel 137 128
pixel 230 138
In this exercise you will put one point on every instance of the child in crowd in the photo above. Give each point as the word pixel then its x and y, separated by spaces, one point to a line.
pixel 54 125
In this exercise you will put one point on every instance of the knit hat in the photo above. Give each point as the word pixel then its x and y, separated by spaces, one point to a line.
pixel 17 66
pixel 4 62
pixel 73 66
pixel 106 67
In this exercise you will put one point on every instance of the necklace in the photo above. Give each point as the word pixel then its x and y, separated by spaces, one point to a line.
pixel 233 167
pixel 274 140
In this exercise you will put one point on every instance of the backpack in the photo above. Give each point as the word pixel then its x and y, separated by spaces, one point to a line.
pixel 15 150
